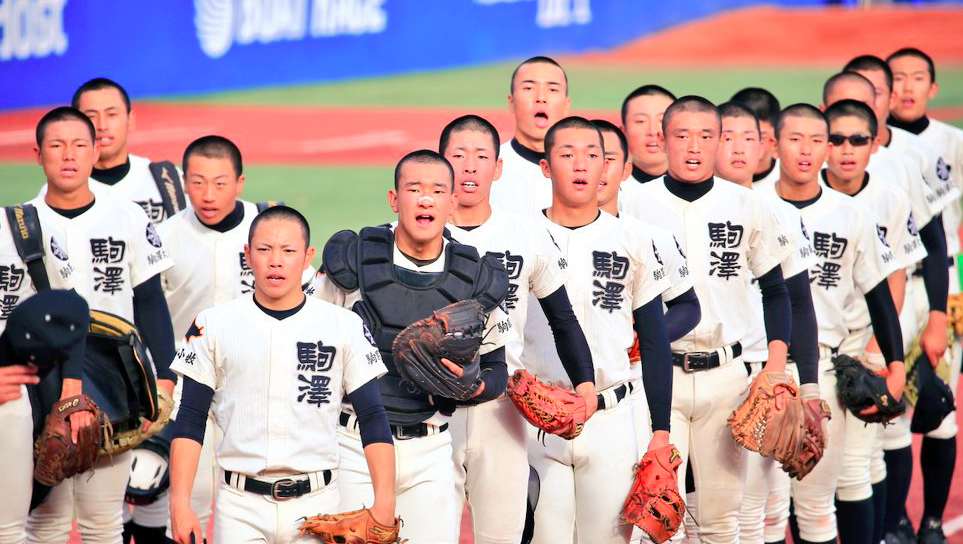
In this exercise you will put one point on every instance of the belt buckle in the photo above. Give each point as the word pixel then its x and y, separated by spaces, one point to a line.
pixel 281 486
pixel 400 433
pixel 700 362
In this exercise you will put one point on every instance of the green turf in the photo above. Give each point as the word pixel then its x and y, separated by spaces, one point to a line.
pixel 592 87
pixel 332 198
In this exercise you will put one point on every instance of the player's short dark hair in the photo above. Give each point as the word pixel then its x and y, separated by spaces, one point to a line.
pixel 914 52
pixel 800 110
pixel 763 104
pixel 853 108
pixel 607 126
pixel 97 84
pixel 215 147
pixel 871 63
pixel 843 77
pixel 424 156
pixel 538 59
pixel 691 103
pixel 735 109
pixel 64 113
pixel 572 121
pixel 645 90
pixel 281 212
pixel 468 122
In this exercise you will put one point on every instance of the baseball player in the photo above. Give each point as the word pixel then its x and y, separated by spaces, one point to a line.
pixel 765 106
pixel 642 112
pixel 914 84
pixel 537 98
pixel 281 354
pixel 401 274
pixel 853 261
pixel 726 232
pixel 764 511
pixel 614 279
pixel 118 257
pixel 490 439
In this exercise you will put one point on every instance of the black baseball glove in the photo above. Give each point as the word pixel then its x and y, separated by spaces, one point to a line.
pixel 860 388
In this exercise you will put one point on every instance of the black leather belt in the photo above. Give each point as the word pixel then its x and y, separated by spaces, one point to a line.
pixel 695 361
pixel 401 432
pixel 620 393
pixel 281 489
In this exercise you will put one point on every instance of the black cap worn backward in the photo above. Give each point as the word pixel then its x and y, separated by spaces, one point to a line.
pixel 934 399
pixel 45 329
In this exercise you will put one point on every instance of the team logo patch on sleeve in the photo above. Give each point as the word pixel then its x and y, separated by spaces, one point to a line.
pixel 152 237
pixel 942 169
pixel 368 335
pixel 911 226
pixel 57 251
pixel 194 331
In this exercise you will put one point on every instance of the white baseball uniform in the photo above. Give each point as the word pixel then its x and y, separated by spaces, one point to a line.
pixel 278 386
pixel 770 178
pixel 115 247
pixel 852 259
pixel 16 417
pixel 522 187
pixel 612 271
pixel 490 439
pixel 424 472
pixel 728 235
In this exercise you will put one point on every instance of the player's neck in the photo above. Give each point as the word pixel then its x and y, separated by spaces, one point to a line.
pixel 611 207
pixel 571 216
pixel 794 190
pixel 849 186
pixel 885 135
pixel 747 183
pixel 471 216
pixel 765 164
pixel 416 249
pixel 652 170
pixel 109 162
pixel 78 198
pixel 535 144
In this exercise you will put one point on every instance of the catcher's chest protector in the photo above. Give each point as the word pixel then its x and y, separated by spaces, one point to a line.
pixel 392 299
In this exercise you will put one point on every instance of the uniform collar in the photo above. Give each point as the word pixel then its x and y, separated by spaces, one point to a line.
pixel 642 176
pixel 529 155
pixel 916 127
pixel 762 175
pixel 112 175
pixel 690 192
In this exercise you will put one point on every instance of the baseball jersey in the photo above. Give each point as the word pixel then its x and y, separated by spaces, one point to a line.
pixel 137 186
pixel 895 167
pixel 948 140
pixel 755 347
pixel 114 247
pixel 612 271
pixel 16 285
pixel 729 235
pixel 851 259
pixel 533 261
pixel 666 250
pixel 522 187
pixel 927 157
pixel 770 178
pixel 278 383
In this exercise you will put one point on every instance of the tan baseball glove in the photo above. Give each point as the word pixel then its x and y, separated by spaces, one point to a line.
pixel 354 527
pixel 771 420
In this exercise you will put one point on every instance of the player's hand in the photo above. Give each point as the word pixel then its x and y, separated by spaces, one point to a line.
pixel 458 371
pixel 660 439
pixel 185 527
pixel 167 386
pixel 12 377
pixel 933 339
pixel 587 391
pixel 895 375
pixel 72 388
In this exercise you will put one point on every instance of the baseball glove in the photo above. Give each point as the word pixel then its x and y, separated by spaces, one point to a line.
pixel 128 439
pixel 454 333
pixel 914 355
pixel 815 410
pixel 859 388
pixel 771 420
pixel 354 527
pixel 56 456
pixel 552 409
pixel 954 313
pixel 654 504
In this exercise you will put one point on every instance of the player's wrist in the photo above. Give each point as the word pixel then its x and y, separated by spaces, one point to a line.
pixel 809 390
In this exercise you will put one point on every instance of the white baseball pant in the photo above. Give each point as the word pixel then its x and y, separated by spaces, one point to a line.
pixel 855 482
pixel 16 468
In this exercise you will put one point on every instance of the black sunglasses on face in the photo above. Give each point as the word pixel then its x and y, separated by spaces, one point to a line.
pixel 856 140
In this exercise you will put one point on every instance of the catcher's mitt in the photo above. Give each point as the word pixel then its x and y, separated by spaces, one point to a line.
pixel 56 457
pixel 128 439
pixel 354 527
pixel 860 388
pixel 454 333
pixel 815 410
pixel 771 420
pixel 550 408
pixel 654 504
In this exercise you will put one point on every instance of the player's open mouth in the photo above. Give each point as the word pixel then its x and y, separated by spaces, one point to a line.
pixel 580 182
pixel 652 147
pixel 424 219
pixel 603 183
pixel 105 140
pixel 274 279
pixel 693 164
pixel 738 163
pixel 68 171
pixel 847 165
pixel 804 166
pixel 209 212
pixel 541 119
pixel 907 102
pixel 469 186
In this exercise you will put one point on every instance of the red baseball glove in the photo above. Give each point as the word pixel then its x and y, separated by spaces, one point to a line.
pixel 815 411
pixel 654 504
pixel 354 527
pixel 56 456
pixel 550 408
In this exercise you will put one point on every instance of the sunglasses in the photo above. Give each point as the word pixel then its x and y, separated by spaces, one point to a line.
pixel 856 140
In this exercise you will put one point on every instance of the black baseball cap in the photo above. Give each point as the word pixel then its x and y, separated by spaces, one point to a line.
pixel 45 329
pixel 934 399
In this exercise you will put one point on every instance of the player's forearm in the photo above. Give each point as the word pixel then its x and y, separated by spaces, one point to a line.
pixel 185 455
pixel 897 288
pixel 935 266
pixel 882 313
pixel 804 336
pixel 776 307
pixel 683 314
pixel 192 413
pixel 649 323
pixel 73 367
pixel 494 374
pixel 381 465
pixel 370 410
pixel 570 343
pixel 153 320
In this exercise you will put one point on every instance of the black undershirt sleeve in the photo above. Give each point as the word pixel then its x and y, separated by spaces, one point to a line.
pixel 882 313
pixel 192 413
pixel 804 336
pixel 73 367
pixel 153 321
pixel 682 315
pixel 776 308
pixel 649 323
pixel 494 372
pixel 370 410
pixel 935 265
pixel 570 342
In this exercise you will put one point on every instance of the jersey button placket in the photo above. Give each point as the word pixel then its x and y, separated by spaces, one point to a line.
pixel 276 383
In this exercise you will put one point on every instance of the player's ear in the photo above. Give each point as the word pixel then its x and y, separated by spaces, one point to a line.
pixel 660 136
pixel 875 145
pixel 546 168
pixel 96 150
pixel 822 107
pixel 36 151
pixel 247 254
pixel 934 88
pixel 568 104
pixel 393 200
pixel 308 257
pixel 497 173
pixel 239 186
pixel 131 121
pixel 511 103
pixel 626 170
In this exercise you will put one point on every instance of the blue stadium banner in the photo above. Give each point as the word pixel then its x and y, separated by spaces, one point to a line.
pixel 168 47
